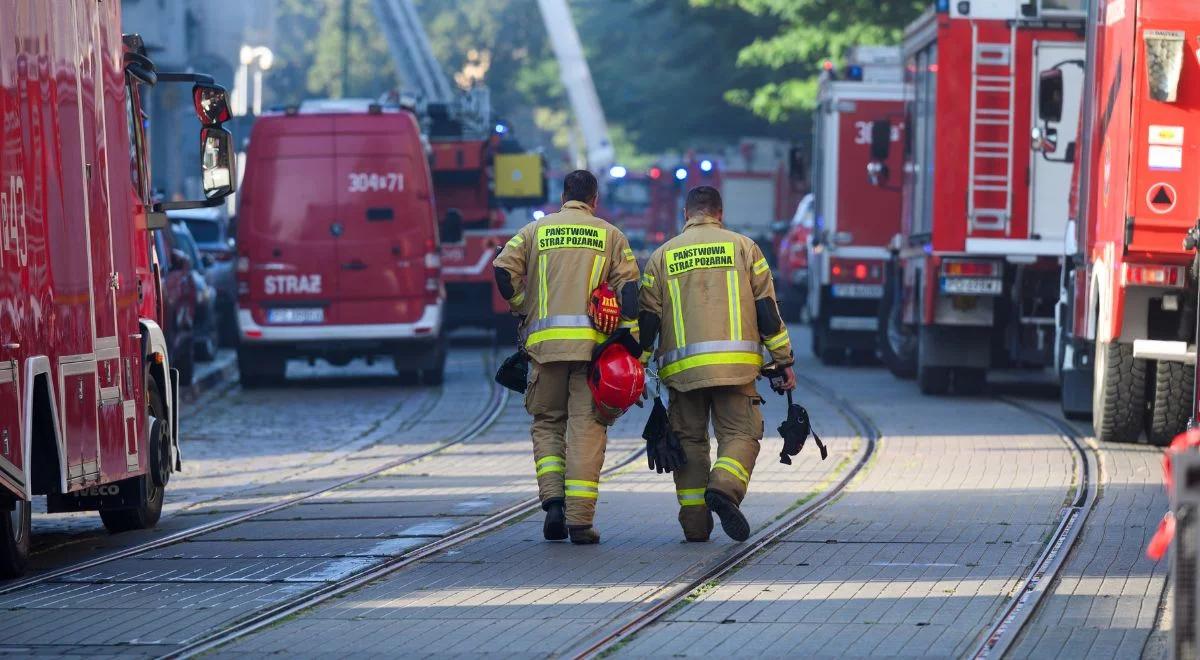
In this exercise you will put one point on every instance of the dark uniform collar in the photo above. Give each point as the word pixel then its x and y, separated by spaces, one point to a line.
pixel 577 206
pixel 697 220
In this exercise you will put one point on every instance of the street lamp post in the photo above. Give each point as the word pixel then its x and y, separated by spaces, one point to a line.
pixel 261 58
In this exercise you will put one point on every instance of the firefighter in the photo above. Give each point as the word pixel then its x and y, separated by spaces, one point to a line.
pixel 708 297
pixel 551 274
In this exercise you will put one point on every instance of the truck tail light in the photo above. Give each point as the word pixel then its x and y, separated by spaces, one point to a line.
pixel 1151 275
pixel 965 268
pixel 851 271
pixel 433 272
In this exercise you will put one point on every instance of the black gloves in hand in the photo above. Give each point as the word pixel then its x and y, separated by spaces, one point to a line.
pixel 664 452
pixel 514 372
pixel 795 430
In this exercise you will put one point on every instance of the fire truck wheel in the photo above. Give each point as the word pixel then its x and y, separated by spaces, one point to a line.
pixel 14 539
pixel 1119 394
pixel 143 516
pixel 1168 413
pixel 933 381
pixel 436 375
pixel 260 368
pixel 829 355
pixel 897 348
pixel 970 381
pixel 159 442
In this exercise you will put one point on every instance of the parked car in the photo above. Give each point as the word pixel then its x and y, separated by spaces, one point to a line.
pixel 212 231
pixel 792 261
pixel 204 329
pixel 179 303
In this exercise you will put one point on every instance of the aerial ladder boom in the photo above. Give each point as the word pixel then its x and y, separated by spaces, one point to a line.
pixel 409 44
pixel 577 78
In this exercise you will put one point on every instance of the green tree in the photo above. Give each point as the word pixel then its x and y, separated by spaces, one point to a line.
pixel 809 32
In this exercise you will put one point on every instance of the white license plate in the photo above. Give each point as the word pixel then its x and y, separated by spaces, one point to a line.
pixel 856 290
pixel 979 286
pixel 296 315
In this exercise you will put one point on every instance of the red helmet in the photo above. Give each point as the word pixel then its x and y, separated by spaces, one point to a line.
pixel 616 379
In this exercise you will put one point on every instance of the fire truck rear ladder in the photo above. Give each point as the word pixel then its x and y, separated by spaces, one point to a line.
pixel 993 99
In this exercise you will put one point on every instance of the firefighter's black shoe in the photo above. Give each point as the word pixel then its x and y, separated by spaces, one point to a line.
pixel 697 523
pixel 584 535
pixel 732 520
pixel 555 527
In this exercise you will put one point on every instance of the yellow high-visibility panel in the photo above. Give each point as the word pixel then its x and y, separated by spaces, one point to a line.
pixel 519 175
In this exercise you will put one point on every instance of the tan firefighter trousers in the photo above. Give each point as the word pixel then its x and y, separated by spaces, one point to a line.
pixel 738 423
pixel 568 442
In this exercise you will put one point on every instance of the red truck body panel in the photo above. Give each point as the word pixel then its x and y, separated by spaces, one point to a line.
pixel 75 271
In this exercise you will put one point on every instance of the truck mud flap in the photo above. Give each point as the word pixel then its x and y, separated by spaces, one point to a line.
pixel 119 495
pixel 175 419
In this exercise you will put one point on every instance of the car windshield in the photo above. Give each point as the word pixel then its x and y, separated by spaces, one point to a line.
pixel 204 231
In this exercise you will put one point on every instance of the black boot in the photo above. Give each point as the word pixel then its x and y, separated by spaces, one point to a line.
pixel 584 535
pixel 732 520
pixel 555 527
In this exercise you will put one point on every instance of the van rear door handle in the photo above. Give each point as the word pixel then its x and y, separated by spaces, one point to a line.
pixel 354 265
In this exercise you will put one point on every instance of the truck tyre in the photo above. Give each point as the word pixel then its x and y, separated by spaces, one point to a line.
pixel 260 368
pixel 14 539
pixel 1119 394
pixel 828 355
pixel 1171 408
pixel 970 381
pixel 146 512
pixel 436 375
pixel 897 348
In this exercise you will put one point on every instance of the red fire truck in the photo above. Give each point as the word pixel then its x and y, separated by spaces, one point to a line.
pixel 474 178
pixel 854 220
pixel 646 207
pixel 88 398
pixel 1129 298
pixel 975 277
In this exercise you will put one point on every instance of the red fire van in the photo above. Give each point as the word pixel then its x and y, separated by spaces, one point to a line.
pixel 337 243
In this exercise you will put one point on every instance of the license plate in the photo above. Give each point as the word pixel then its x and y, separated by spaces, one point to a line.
pixel 296 315
pixel 979 286
pixel 857 290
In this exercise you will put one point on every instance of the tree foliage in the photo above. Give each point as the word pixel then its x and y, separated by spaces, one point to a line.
pixel 809 32
pixel 308 47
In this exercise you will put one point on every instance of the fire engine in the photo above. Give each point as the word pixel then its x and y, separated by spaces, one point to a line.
pixel 1129 299
pixel 854 220
pixel 645 206
pixel 88 398
pixel 974 280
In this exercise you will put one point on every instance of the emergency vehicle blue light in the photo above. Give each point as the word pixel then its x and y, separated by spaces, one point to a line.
pixel 501 129
pixel 539 214
pixel 854 72
pixel 706 165
pixel 943 6
pixel 618 172
pixel 681 174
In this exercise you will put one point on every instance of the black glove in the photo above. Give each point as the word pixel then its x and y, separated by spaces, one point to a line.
pixel 664 452
pixel 795 430
pixel 514 372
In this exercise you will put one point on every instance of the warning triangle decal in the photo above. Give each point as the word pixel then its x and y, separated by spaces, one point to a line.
pixel 1163 197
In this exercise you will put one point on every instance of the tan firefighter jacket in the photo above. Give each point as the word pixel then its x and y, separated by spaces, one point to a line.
pixel 555 263
pixel 703 285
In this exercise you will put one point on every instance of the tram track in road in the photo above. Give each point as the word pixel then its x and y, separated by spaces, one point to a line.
pixel 646 611
pixel 494 406
pixel 1001 635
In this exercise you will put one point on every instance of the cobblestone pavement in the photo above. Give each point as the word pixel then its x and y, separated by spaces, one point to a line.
pixel 512 594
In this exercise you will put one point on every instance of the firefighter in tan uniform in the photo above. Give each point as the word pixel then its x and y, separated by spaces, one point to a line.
pixel 708 297
pixel 547 273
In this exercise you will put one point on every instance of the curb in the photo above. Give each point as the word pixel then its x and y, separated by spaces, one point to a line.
pixel 223 371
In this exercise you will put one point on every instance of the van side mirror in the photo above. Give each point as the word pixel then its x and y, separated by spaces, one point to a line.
pixel 218 157
pixel 1050 96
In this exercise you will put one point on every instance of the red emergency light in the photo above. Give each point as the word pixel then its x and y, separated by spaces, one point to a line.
pixel 655 173
pixel 846 271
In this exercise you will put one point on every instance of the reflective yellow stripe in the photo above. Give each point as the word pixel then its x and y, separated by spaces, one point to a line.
pixel 777 341
pixel 677 312
pixel 632 325
pixel 628 254
pixel 761 266
pixel 597 271
pixel 552 334
pixel 579 488
pixel 708 360
pixel 647 280
pixel 518 299
pixel 690 496
pixel 548 464
pixel 732 466
pixel 516 241
pixel 542 294
pixel 733 286
pixel 646 355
